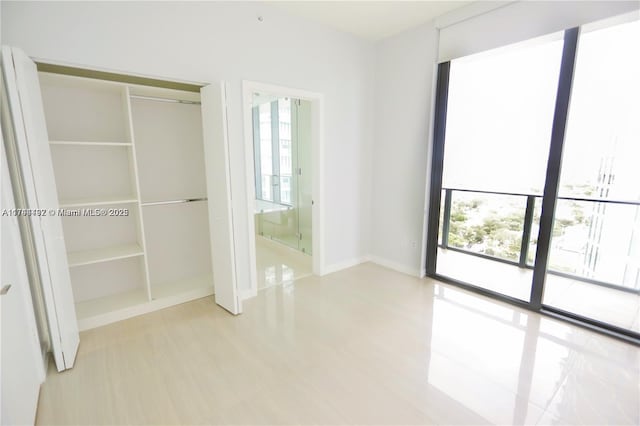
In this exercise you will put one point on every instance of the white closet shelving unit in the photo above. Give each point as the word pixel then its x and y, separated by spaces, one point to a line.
pixel 118 147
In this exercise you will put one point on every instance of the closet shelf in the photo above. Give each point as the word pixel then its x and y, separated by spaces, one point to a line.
pixel 98 201
pixel 176 201
pixel 86 143
pixel 109 305
pixel 88 257
pixel 176 288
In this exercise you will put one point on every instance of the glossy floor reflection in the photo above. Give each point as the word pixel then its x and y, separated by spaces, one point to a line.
pixel 592 301
pixel 362 346
pixel 277 264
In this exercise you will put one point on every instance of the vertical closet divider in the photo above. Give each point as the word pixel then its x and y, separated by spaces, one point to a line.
pixel 133 164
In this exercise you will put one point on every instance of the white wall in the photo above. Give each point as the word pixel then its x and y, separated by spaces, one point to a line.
pixel 208 41
pixel 405 67
pixel 378 99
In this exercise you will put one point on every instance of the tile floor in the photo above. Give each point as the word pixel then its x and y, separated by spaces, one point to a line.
pixel 366 345
pixel 604 304
pixel 277 263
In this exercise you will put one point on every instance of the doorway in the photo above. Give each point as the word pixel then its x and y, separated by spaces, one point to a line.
pixel 282 133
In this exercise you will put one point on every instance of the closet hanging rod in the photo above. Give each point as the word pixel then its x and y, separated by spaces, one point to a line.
pixel 186 200
pixel 158 99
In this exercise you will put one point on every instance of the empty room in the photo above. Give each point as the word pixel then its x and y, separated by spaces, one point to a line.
pixel 320 212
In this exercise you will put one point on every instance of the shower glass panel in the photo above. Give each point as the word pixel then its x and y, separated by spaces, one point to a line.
pixel 281 135
pixel 303 186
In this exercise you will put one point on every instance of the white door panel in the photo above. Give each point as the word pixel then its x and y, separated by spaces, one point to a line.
pixel 21 367
pixel 23 91
pixel 216 151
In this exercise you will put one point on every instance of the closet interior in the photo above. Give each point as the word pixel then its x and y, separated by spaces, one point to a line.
pixel 130 176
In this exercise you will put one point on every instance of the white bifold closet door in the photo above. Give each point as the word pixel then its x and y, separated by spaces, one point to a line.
pixel 216 153
pixel 39 191
pixel 21 367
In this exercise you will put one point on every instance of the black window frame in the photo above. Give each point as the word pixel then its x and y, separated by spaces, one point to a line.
pixel 549 197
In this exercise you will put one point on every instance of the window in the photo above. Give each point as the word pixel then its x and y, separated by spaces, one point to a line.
pixel 596 232
pixel 273 151
pixel 535 174
pixel 499 118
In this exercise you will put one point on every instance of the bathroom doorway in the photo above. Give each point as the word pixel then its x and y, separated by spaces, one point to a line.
pixel 282 165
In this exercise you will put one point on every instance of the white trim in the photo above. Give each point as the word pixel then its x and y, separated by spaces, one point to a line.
pixel 246 294
pixel 395 266
pixel 114 71
pixel 611 21
pixel 468 12
pixel 330 269
pixel 317 153
pixel 144 307
pixel 519 21
pixel 250 188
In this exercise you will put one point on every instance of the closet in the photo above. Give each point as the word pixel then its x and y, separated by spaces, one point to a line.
pixel 128 182
pixel 130 172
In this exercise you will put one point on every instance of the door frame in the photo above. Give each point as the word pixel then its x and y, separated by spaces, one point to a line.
pixel 317 161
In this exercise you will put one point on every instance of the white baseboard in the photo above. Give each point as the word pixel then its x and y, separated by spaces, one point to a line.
pixel 415 272
pixel 146 307
pixel 247 294
pixel 395 266
pixel 330 269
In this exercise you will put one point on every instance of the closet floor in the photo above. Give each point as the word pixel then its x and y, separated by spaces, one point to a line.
pixel 278 264
pixel 365 345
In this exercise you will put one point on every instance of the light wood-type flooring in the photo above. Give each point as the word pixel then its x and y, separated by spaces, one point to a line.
pixel 366 345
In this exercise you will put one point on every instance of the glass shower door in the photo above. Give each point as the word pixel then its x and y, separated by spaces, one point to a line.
pixel 302 148
pixel 275 164
pixel 283 171
pixel 287 231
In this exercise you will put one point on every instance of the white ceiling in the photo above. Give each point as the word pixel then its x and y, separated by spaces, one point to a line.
pixel 371 20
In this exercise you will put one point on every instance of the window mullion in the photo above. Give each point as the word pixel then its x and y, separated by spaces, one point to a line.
pixel 554 164
pixel 437 164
